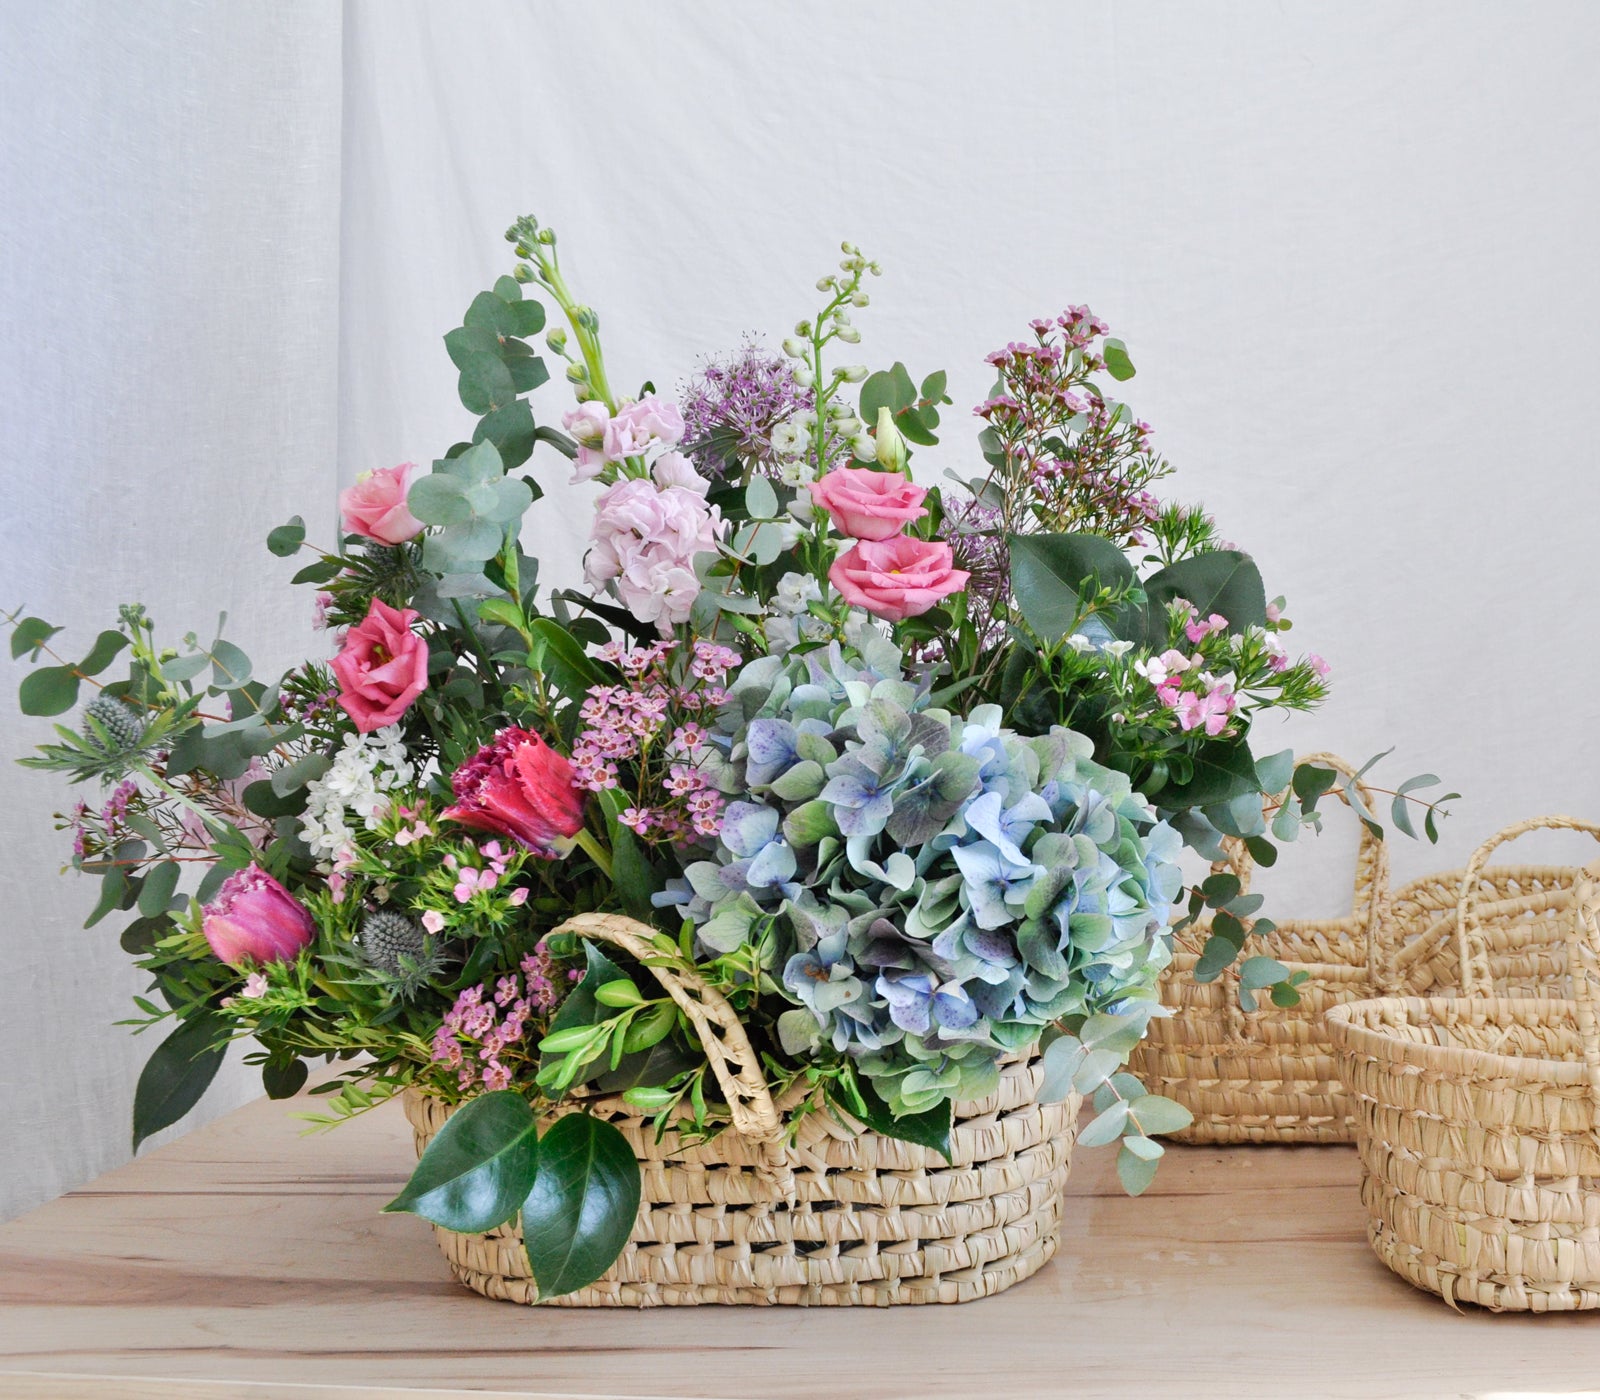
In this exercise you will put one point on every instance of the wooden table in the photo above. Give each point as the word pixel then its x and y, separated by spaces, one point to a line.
pixel 245 1261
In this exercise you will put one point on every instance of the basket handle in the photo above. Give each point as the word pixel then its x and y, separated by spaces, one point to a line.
pixel 1472 949
pixel 732 1058
pixel 1371 875
pixel 1583 964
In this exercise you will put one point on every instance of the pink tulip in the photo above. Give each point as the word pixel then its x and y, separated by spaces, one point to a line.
pixel 867 504
pixel 383 667
pixel 518 786
pixel 375 507
pixel 896 578
pixel 254 919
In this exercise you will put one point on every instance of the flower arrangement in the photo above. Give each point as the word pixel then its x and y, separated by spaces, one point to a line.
pixel 902 771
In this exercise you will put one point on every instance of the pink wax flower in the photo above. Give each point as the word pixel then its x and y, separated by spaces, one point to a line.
pixel 587 425
pixel 636 425
pixel 897 578
pixel 868 504
pixel 254 919
pixel 520 787
pixel 375 507
pixel 383 667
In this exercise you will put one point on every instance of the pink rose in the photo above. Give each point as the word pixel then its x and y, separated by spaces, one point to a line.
pixel 867 504
pixel 587 426
pixel 518 786
pixel 383 667
pixel 637 425
pixel 375 507
pixel 896 578
pixel 254 919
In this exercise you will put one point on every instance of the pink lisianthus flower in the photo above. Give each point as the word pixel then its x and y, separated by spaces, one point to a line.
pixel 383 667
pixel 587 425
pixel 254 919
pixel 897 578
pixel 868 504
pixel 375 507
pixel 520 787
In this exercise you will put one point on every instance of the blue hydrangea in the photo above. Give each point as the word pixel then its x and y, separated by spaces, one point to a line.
pixel 931 889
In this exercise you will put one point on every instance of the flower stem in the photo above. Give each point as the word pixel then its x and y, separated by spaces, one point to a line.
pixel 590 844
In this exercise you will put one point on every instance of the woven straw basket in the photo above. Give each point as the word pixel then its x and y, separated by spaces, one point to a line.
pixel 834 1216
pixel 1478 1117
pixel 1269 1075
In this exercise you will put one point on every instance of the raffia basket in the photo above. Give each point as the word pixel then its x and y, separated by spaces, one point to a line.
pixel 826 1214
pixel 1270 1075
pixel 1478 1117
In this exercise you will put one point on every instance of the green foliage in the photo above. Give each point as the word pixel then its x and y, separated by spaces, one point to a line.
pixel 581 1209
pixel 479 1168
pixel 177 1074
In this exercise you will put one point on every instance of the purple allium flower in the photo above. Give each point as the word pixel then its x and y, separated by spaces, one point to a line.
pixel 731 407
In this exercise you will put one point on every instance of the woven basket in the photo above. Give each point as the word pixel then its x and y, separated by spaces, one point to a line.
pixel 1478 1117
pixel 837 1215
pixel 1269 1075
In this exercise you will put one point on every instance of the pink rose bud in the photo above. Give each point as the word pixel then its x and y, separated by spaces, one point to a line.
pixel 383 667
pixel 254 919
pixel 375 507
pixel 898 578
pixel 520 787
pixel 867 504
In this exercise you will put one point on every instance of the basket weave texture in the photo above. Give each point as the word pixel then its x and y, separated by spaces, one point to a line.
pixel 1478 1117
pixel 1270 1075
pixel 830 1214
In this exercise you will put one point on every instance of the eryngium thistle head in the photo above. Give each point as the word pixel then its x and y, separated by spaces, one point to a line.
pixel 120 722
pixel 386 937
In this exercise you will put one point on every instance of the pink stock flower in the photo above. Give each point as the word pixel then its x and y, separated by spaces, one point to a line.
pixel 254 919
pixel 383 667
pixel 636 425
pixel 587 426
pixel 867 504
pixel 645 541
pixel 896 578
pixel 375 507
pixel 674 469
pixel 520 787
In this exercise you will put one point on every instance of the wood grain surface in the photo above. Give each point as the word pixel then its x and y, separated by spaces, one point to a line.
pixel 246 1261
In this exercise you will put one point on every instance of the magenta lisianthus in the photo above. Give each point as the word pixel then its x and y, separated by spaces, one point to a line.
pixel 382 668
pixel 520 787
pixel 254 919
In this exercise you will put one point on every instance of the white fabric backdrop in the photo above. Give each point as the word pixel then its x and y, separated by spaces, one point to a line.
pixel 1349 249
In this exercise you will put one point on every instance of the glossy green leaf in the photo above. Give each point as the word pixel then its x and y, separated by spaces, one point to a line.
pixel 177 1074
pixel 477 1171
pixel 930 1128
pixel 283 1080
pixel 1222 581
pixel 1223 770
pixel 158 888
pixel 1051 573
pixel 582 1206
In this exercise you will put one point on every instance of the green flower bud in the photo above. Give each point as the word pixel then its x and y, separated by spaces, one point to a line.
pixel 850 335
pixel 556 339
pixel 578 373
pixel 891 447
pixel 795 349
pixel 853 374
pixel 523 273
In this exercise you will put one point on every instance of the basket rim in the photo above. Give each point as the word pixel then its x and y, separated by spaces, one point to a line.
pixel 1349 1035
